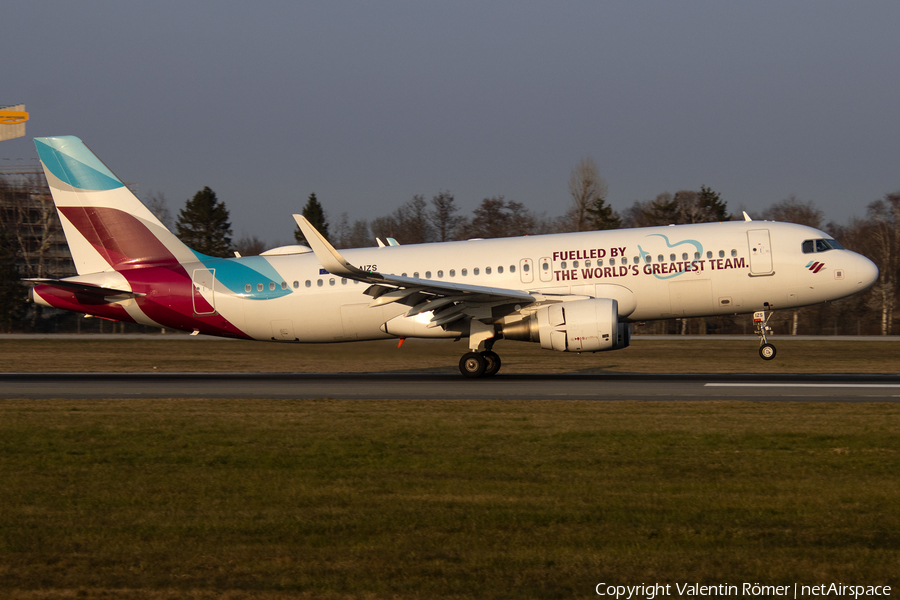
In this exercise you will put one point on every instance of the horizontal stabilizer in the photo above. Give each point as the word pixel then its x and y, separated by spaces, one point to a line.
pixel 86 288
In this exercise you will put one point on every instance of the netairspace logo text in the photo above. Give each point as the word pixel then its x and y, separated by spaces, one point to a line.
pixel 650 591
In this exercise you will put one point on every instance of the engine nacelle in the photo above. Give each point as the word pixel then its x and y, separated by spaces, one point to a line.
pixel 578 326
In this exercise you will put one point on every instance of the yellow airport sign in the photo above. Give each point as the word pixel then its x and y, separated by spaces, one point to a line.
pixel 13 117
pixel 12 121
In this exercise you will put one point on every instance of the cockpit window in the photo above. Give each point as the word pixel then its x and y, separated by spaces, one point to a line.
pixel 810 246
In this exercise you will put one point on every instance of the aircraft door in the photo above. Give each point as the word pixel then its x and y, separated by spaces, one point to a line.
pixel 546 269
pixel 526 273
pixel 202 291
pixel 760 252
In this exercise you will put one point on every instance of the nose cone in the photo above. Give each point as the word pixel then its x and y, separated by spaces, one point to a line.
pixel 865 273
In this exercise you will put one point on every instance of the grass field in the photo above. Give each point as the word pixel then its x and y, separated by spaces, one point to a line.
pixel 263 499
pixel 343 499
pixel 645 355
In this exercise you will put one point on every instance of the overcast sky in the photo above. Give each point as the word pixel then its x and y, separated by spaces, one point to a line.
pixel 368 103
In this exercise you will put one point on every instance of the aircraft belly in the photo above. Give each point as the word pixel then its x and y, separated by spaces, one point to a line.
pixel 316 318
pixel 360 322
pixel 691 297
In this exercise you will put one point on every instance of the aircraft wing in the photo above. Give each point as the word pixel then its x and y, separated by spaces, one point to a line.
pixel 448 301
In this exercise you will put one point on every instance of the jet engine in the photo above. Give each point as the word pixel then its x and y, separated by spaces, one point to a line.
pixel 577 326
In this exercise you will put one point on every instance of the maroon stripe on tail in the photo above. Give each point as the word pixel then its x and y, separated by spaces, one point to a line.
pixel 119 237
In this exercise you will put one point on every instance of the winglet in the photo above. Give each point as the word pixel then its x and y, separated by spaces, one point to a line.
pixel 746 216
pixel 330 258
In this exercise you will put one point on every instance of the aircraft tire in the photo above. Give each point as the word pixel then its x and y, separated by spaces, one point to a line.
pixel 492 360
pixel 767 352
pixel 472 365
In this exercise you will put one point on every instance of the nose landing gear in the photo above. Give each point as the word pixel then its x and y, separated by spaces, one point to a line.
pixel 761 322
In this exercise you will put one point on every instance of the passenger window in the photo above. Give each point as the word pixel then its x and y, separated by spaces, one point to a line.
pixel 248 288
pixel 416 275
pixel 696 255
pixel 721 254
pixel 647 258
pixel 587 263
pixel 512 268
pixel 709 254
pixel 562 265
pixel 271 286
pixel 684 256
pixel 500 269
pixel 331 281
pixel 296 285
pixel 734 252
pixel 487 270
pixel 284 285
pixel 464 272
pixel 476 271
pixel 427 274
pixel 612 261
pixel 526 267
pixel 672 257
pixel 319 283
pixel 636 260
pixel 308 283
pixel 452 272
pixel 661 258
pixel 259 287
pixel 574 264
pixel 343 281
pixel 440 274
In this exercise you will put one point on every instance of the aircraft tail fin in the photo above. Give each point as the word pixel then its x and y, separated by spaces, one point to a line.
pixel 106 225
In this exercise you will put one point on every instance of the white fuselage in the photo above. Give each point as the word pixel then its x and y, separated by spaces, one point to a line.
pixel 654 273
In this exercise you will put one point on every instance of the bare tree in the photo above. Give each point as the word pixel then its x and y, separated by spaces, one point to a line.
pixel 249 245
pixel 159 206
pixel 588 191
pixel 792 210
pixel 496 218
pixel 685 206
pixel 360 237
pixel 351 236
pixel 663 210
pixel 409 224
pixel 443 218
pixel 883 247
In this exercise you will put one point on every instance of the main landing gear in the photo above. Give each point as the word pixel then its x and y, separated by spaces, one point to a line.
pixel 761 322
pixel 480 361
pixel 479 364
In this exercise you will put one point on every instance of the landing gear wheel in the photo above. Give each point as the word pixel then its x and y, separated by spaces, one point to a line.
pixel 767 351
pixel 472 365
pixel 492 360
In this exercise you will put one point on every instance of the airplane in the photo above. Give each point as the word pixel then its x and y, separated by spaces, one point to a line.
pixel 569 292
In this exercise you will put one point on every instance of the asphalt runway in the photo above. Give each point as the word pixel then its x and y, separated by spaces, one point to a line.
pixel 367 386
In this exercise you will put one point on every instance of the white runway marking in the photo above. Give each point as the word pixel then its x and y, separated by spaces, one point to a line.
pixel 807 385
